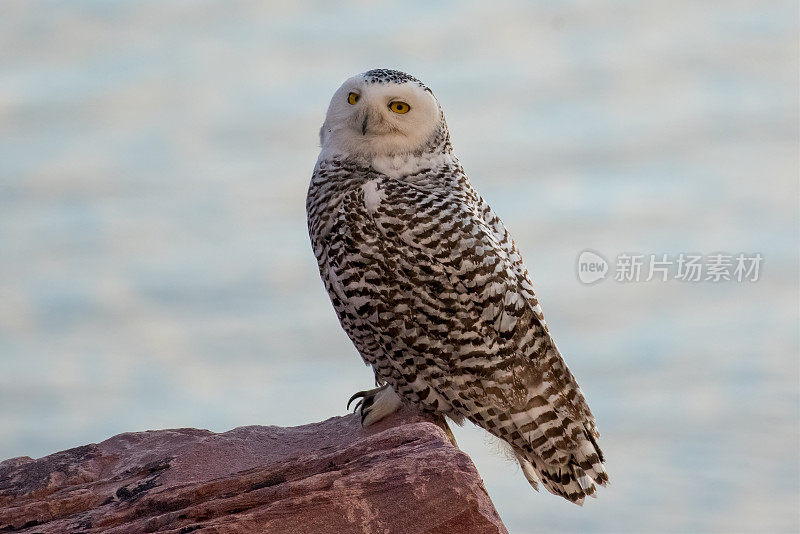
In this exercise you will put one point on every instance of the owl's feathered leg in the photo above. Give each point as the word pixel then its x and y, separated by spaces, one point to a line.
pixel 375 404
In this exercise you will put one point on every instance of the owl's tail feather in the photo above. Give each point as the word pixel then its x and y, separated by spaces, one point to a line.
pixel 590 459
pixel 574 480
pixel 529 471
pixel 568 481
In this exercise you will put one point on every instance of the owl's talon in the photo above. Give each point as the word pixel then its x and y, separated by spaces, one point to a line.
pixel 358 395
pixel 365 398
pixel 367 403
pixel 375 404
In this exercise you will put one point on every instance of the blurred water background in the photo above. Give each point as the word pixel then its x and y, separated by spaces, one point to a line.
pixel 155 269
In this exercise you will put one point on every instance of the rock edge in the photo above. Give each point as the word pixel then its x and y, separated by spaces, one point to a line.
pixel 401 475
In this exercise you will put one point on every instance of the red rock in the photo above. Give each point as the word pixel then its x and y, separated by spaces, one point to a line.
pixel 401 475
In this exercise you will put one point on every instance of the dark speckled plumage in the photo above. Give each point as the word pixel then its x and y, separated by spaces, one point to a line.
pixel 433 292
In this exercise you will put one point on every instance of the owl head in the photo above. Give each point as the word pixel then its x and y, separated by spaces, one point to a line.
pixel 382 112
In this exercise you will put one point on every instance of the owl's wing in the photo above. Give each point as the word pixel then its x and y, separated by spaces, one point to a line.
pixel 440 284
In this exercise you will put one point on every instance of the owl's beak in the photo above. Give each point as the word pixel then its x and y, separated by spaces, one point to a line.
pixel 364 124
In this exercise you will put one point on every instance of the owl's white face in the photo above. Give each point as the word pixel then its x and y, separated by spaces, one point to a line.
pixel 379 118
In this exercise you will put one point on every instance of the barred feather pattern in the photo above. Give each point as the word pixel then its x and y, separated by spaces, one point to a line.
pixel 431 289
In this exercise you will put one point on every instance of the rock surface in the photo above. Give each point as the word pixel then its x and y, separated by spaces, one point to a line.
pixel 401 475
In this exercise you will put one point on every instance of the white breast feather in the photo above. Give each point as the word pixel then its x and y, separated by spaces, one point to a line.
pixel 373 196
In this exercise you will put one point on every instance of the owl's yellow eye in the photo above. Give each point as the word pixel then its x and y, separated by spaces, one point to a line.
pixel 353 98
pixel 399 107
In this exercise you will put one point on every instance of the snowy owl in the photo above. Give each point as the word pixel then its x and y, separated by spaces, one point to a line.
pixel 431 289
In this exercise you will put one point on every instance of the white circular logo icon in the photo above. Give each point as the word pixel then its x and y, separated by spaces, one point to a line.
pixel 592 267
